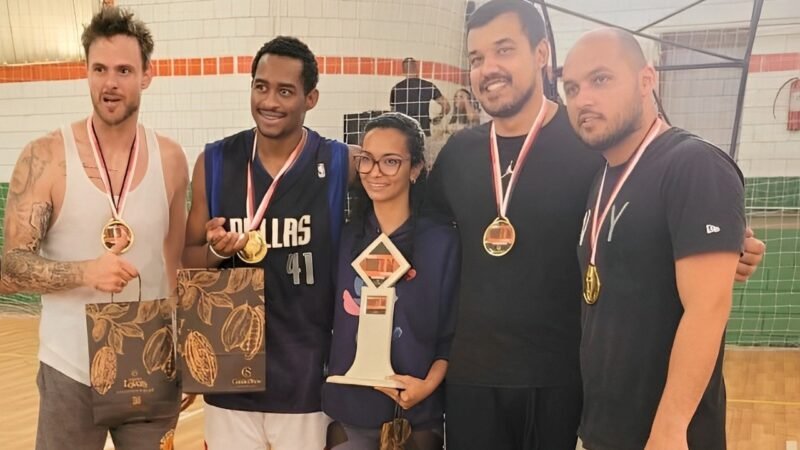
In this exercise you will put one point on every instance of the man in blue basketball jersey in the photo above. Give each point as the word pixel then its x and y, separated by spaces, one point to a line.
pixel 295 182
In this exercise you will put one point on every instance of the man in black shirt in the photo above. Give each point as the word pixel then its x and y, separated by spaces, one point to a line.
pixel 514 378
pixel 413 96
pixel 660 243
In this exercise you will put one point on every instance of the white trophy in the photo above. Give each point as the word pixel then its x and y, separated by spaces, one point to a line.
pixel 381 266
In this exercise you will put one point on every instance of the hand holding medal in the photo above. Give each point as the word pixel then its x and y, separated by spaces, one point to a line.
pixel 255 249
pixel 116 230
pixel 591 279
pixel 221 243
pixel 499 237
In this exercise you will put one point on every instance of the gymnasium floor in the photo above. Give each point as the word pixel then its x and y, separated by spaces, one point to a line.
pixel 763 395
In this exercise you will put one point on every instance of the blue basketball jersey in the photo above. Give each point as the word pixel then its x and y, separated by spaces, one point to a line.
pixel 302 227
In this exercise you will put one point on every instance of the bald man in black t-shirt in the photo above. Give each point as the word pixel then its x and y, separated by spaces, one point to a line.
pixel 659 270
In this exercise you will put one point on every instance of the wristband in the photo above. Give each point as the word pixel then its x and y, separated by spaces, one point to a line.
pixel 214 252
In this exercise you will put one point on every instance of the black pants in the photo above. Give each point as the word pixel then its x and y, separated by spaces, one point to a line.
pixel 345 437
pixel 481 418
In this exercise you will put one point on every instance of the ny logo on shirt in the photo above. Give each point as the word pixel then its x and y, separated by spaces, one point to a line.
pixel 587 221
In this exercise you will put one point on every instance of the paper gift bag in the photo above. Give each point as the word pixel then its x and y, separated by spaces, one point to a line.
pixel 222 328
pixel 132 356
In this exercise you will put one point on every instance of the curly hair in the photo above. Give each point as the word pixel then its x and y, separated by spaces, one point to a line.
pixel 293 48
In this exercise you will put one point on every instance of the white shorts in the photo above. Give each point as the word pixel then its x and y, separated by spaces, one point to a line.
pixel 227 429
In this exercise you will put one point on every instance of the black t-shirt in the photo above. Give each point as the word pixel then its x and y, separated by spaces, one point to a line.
pixel 518 321
pixel 412 97
pixel 685 197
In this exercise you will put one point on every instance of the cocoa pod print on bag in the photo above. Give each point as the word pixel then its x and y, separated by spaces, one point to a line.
pixel 255 334
pixel 169 366
pixel 258 281
pixel 244 329
pixel 236 326
pixel 221 329
pixel 196 287
pixel 159 353
pixel 131 354
pixel 99 329
pixel 200 358
pixel 238 280
pixel 103 371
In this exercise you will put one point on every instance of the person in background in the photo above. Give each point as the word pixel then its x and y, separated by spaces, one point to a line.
pixel 413 97
pixel 465 114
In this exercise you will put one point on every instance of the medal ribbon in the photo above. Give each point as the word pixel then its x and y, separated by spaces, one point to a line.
pixel 256 217
pixel 597 224
pixel 117 205
pixel 500 199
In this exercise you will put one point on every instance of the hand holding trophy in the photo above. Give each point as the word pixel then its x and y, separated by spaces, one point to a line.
pixel 381 265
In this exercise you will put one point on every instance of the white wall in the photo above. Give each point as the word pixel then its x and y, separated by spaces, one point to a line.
pixel 198 109
pixel 766 148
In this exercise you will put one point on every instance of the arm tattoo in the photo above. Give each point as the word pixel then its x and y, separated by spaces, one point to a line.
pixel 31 273
pixel 36 275
pixel 27 221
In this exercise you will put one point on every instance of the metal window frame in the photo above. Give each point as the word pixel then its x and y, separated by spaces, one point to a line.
pixel 727 62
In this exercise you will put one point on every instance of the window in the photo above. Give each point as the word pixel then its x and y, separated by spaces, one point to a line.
pixel 33 31
pixel 702 101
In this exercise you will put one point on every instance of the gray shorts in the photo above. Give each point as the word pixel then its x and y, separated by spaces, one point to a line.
pixel 65 420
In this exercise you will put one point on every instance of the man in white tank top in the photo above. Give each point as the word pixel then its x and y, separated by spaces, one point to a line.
pixel 65 188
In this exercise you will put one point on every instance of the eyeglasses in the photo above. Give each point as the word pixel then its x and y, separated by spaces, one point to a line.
pixel 388 165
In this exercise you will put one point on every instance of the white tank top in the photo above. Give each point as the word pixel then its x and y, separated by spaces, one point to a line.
pixel 75 236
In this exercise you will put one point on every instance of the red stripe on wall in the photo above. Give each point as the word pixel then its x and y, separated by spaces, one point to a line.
pixel 328 65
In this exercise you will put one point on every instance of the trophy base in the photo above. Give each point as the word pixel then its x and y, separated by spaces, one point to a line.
pixel 371 382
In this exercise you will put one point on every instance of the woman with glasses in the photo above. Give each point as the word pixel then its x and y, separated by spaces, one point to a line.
pixel 391 172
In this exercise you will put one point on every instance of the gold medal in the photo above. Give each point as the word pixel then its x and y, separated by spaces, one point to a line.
pixel 591 285
pixel 591 279
pixel 255 250
pixel 499 237
pixel 114 231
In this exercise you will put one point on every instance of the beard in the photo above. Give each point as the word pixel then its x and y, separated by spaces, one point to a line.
pixel 511 108
pixel 628 125
pixel 111 120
